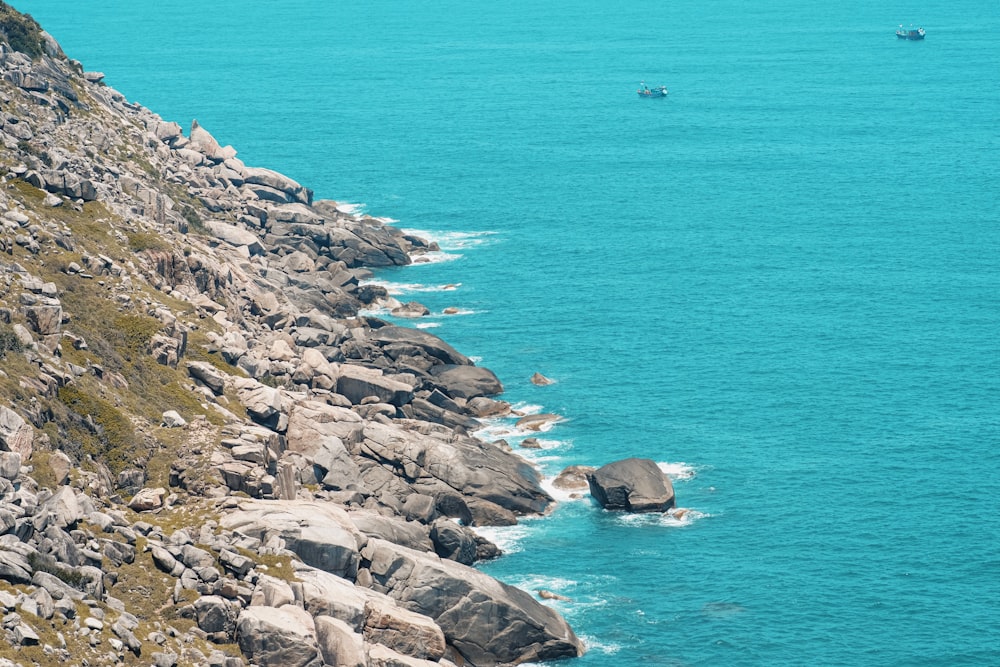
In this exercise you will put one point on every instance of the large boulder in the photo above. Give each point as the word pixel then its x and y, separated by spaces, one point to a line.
pixel 466 381
pixel 358 382
pixel 402 630
pixel 292 192
pixel 396 341
pixel 319 432
pixel 321 534
pixel 340 644
pixel 16 435
pixel 325 594
pixel 483 475
pixel 633 485
pixel 486 621
pixel 265 405
pixel 278 637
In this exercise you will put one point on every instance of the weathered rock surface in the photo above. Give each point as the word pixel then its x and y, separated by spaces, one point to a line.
pixel 306 494
pixel 486 621
pixel 633 485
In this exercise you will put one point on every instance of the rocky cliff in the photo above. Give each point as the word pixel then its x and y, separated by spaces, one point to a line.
pixel 208 454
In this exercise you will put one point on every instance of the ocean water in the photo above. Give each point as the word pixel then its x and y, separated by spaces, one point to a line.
pixel 782 282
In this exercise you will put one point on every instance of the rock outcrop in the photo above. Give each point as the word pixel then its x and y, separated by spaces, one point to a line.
pixel 633 485
pixel 209 454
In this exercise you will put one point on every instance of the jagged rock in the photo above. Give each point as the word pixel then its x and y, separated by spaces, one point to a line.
pixel 383 656
pixel 278 637
pixel 25 635
pixel 452 541
pixel 537 422
pixel 540 380
pixel 56 587
pixel 264 404
pixel 165 349
pixel 271 592
pixel 482 474
pixel 14 566
pixel 205 143
pixel 292 191
pixel 401 340
pixel 165 561
pixel 236 236
pixel 411 309
pixel 319 432
pixel 407 533
pixel 45 318
pixel 325 594
pixel 486 621
pixel 634 485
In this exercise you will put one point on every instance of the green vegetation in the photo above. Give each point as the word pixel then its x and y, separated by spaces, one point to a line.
pixel 140 241
pixel 9 342
pixel 108 434
pixel 21 31
pixel 42 563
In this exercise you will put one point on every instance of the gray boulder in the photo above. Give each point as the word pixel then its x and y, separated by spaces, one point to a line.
pixel 486 621
pixel 396 341
pixel 16 435
pixel 320 534
pixel 403 631
pixel 358 382
pixel 489 481
pixel 208 375
pixel 466 381
pixel 278 637
pixel 633 485
pixel 339 643
pixel 325 594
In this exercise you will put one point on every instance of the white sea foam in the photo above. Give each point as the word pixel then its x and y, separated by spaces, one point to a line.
pixel 523 409
pixel 564 495
pixel 677 471
pixel 455 240
pixel 506 428
pixel 679 517
pixel 436 257
pixel 348 208
pixel 427 325
pixel 404 288
pixel 595 645
pixel 451 312
pixel 373 312
pixel 509 538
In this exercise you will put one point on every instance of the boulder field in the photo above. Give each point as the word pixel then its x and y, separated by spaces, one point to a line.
pixel 210 454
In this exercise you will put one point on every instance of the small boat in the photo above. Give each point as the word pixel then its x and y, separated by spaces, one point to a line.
pixel 646 91
pixel 910 33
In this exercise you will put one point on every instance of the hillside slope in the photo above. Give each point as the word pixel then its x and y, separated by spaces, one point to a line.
pixel 208 454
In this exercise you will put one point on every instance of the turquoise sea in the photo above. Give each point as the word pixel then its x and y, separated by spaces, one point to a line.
pixel 782 282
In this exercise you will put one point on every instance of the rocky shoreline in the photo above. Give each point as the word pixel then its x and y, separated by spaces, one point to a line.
pixel 208 454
